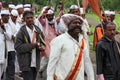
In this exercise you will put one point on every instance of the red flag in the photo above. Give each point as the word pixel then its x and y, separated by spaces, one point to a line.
pixel 95 7
pixel 84 5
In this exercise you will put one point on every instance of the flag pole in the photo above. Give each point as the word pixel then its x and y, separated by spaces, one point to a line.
pixel 78 5
pixel 102 8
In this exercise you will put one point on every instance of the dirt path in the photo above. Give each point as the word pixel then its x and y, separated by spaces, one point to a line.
pixel 92 21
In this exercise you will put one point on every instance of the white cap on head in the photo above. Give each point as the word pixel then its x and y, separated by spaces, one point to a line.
pixel 27 5
pixel 74 7
pixel 107 12
pixel 14 12
pixel 11 6
pixel 19 6
pixel 67 18
pixel 27 9
pixel 44 8
pixel 81 11
pixel 112 12
pixel 5 12
pixel 50 11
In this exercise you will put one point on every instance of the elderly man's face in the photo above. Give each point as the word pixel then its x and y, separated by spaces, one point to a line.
pixel 75 26
pixel 50 17
pixel 5 18
pixel 75 11
pixel 110 31
pixel 107 18
pixel 14 18
pixel 20 10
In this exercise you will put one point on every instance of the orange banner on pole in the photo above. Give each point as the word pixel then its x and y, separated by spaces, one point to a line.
pixel 84 5
pixel 95 7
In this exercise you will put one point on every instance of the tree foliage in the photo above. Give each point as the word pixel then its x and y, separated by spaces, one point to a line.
pixel 107 4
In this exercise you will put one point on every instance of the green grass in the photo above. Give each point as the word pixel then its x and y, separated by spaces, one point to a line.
pixel 91 39
pixel 92 28
pixel 93 16
pixel 117 21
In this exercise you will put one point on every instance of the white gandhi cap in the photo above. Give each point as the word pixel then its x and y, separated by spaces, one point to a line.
pixel 11 6
pixel 14 12
pixel 5 12
pixel 73 7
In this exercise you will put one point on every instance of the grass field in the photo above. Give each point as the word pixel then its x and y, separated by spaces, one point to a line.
pixel 93 19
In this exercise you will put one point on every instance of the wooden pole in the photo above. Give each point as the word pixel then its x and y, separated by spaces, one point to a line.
pixel 102 8
pixel 78 2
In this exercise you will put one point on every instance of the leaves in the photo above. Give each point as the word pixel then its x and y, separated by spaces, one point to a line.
pixel 107 4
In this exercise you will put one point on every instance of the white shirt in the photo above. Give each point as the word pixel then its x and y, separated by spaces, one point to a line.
pixel 85 26
pixel 37 23
pixel 33 56
pixel 14 27
pixel 9 41
pixel 62 55
pixel 2 48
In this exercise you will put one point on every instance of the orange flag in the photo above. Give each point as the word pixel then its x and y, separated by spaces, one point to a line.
pixel 84 5
pixel 95 7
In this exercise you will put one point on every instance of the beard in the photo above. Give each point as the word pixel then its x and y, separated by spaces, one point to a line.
pixel 51 21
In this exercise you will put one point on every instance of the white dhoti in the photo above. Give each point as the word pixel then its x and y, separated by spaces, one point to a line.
pixel 2 68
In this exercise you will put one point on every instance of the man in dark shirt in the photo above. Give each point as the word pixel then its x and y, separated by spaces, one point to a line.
pixel 107 55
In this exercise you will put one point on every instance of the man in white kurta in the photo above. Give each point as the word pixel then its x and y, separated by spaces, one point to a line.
pixel 15 26
pixel 10 69
pixel 2 52
pixel 63 53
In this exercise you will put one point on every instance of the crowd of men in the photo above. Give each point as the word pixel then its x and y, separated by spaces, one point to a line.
pixel 50 48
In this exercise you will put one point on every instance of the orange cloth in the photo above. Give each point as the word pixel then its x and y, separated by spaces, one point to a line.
pixel 34 36
pixel 95 7
pixel 97 36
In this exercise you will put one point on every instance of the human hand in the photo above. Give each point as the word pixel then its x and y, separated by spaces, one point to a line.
pixel 34 45
pixel 100 77
pixel 42 48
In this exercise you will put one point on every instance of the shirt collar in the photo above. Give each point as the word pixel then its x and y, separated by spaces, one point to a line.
pixel 80 37
pixel 29 30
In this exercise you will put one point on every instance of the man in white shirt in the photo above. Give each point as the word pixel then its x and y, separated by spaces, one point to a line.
pixel 2 49
pixel 15 26
pixel 10 69
pixel 68 56
pixel 20 10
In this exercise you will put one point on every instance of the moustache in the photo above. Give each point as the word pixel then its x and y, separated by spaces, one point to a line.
pixel 77 27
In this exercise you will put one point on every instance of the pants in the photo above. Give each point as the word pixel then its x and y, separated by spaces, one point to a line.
pixel 17 69
pixel 29 75
pixel 10 70
pixel 2 67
